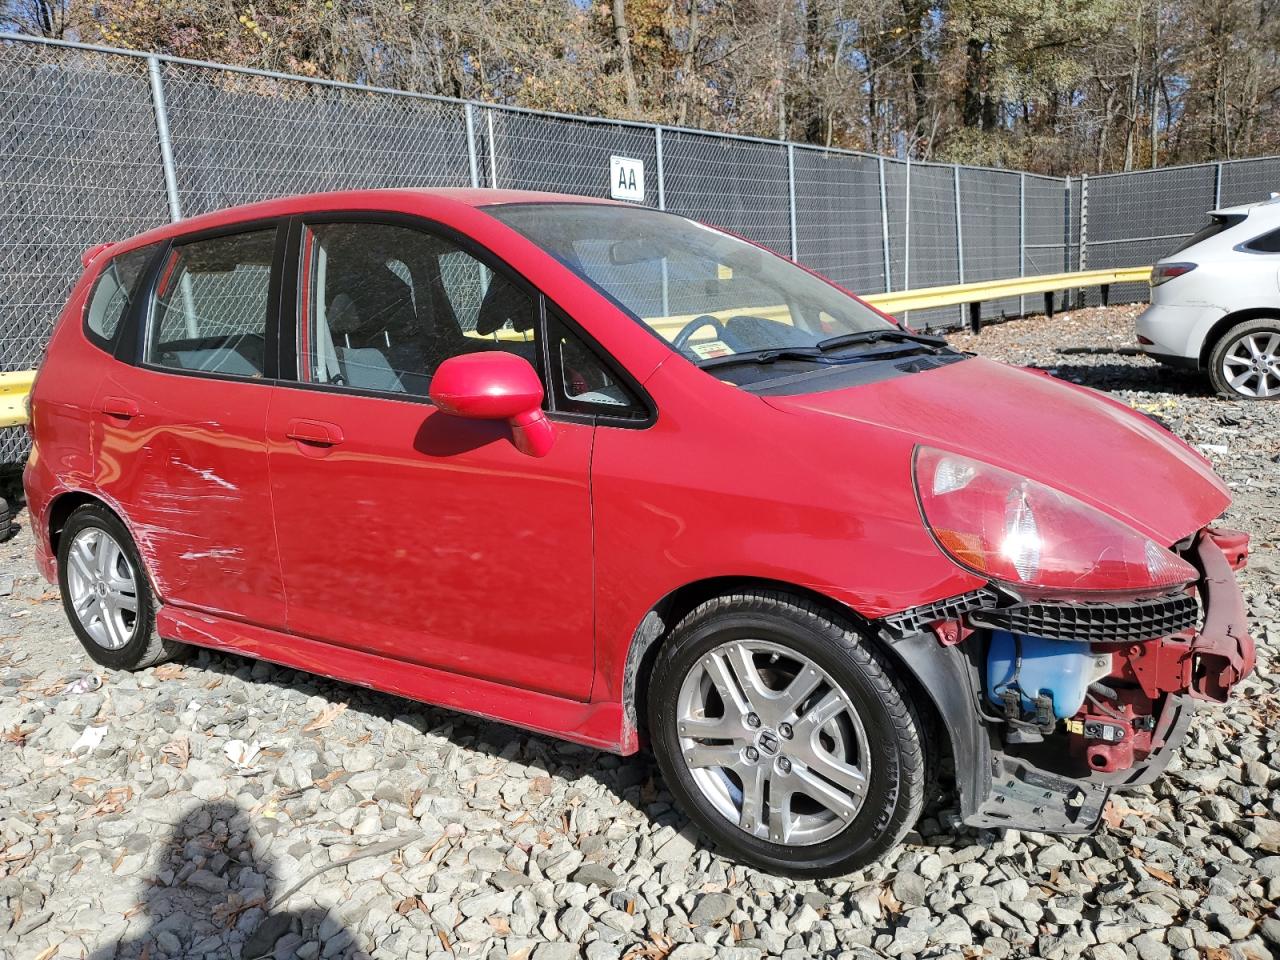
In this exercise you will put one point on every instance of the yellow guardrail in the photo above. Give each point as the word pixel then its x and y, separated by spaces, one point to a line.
pixel 901 301
pixel 15 386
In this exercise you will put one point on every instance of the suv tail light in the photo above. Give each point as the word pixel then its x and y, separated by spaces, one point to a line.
pixel 1163 272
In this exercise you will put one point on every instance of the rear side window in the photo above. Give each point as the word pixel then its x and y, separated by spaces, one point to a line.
pixel 211 306
pixel 113 295
pixel 1215 226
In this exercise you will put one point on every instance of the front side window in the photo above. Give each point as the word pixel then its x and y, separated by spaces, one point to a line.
pixel 211 306
pixel 708 293
pixel 113 295
pixel 384 305
pixel 584 382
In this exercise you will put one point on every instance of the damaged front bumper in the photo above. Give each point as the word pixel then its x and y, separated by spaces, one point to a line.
pixel 1163 657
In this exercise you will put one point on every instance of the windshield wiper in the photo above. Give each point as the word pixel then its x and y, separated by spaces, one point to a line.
pixel 769 355
pixel 875 336
pixel 904 339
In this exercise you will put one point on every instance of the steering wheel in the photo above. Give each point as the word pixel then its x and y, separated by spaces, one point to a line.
pixel 686 333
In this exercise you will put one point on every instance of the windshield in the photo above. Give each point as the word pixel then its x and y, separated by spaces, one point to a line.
pixel 707 293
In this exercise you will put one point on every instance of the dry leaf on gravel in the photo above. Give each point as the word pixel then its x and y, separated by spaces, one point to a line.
pixel 889 902
pixel 325 717
pixel 113 801
pixel 660 947
pixel 176 752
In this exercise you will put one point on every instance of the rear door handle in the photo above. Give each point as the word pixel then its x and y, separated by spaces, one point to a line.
pixel 316 433
pixel 121 407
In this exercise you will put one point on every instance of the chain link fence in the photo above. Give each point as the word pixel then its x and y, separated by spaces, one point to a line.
pixel 101 144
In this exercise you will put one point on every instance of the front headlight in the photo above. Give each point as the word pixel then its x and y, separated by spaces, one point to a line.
pixel 1028 535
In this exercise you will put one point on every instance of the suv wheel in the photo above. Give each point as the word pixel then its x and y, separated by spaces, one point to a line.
pixel 106 593
pixel 786 735
pixel 1246 361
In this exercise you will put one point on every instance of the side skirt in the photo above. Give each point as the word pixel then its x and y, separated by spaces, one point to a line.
pixel 598 725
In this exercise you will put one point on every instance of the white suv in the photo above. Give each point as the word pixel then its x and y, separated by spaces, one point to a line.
pixel 1215 303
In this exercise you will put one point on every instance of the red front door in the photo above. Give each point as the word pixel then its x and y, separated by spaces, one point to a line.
pixel 433 540
pixel 405 531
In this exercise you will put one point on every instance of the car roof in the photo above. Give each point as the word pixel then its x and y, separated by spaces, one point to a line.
pixel 385 199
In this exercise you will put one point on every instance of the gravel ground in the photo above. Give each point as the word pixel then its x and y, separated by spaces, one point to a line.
pixel 184 811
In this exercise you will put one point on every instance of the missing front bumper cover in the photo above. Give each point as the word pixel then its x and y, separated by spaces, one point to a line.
pixel 1024 797
pixel 1021 796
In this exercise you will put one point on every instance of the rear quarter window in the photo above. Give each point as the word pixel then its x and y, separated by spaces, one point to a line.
pixel 1267 243
pixel 1215 226
pixel 113 294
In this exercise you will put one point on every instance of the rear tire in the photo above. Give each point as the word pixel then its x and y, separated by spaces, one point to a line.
pixel 106 593
pixel 1245 363
pixel 812 763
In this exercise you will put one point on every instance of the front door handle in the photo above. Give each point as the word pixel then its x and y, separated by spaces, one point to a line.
pixel 315 433
pixel 120 407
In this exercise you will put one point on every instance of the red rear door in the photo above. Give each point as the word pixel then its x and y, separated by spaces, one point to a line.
pixel 180 444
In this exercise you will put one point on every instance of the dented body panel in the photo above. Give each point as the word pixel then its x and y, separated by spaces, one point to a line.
pixel 188 472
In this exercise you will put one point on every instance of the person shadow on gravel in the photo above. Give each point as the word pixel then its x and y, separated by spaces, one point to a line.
pixel 212 897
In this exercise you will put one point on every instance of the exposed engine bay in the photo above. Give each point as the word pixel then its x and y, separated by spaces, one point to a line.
pixel 1079 697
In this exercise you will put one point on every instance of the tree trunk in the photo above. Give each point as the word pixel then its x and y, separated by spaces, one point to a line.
pixel 971 105
pixel 622 36
pixel 687 65
pixel 780 75
pixel 1105 129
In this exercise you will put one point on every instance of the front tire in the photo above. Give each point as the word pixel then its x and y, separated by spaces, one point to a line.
pixel 106 594
pixel 1245 363
pixel 786 735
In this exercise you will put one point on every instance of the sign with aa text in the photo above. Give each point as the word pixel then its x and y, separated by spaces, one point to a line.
pixel 626 179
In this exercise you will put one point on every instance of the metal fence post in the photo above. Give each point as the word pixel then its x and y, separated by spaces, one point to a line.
pixel 662 205
pixel 469 112
pixel 166 144
pixel 1084 230
pixel 1084 221
pixel 1022 237
pixel 906 232
pixel 1217 185
pixel 662 172
pixel 791 195
pixel 493 149
pixel 955 197
pixel 884 230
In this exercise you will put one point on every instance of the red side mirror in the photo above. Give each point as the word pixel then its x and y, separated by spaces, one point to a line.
pixel 496 386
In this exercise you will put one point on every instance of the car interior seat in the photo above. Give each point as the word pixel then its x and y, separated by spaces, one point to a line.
pixel 377 340
pixel 505 304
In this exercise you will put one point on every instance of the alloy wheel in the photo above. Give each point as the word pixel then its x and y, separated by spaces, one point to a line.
pixel 1252 365
pixel 772 742
pixel 103 587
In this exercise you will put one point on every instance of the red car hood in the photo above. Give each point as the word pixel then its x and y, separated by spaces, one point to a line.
pixel 1069 437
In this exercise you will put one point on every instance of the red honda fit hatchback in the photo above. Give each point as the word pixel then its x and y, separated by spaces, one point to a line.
pixel 609 474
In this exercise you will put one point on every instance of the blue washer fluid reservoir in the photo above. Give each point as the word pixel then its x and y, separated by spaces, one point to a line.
pixel 1060 668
